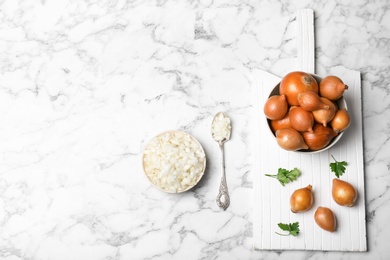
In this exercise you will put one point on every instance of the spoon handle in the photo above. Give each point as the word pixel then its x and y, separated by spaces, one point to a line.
pixel 223 199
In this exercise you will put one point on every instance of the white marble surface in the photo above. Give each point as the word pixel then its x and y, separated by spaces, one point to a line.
pixel 84 86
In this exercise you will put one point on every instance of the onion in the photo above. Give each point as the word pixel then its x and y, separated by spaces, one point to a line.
pixel 294 83
pixel 276 107
pixel 320 138
pixel 290 139
pixel 343 193
pixel 301 200
pixel 325 218
pixel 301 120
pixel 221 127
pixel 332 87
pixel 324 116
pixel 281 123
pixel 174 161
pixel 310 101
pixel 340 121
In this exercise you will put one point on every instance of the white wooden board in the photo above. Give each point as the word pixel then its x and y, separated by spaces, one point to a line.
pixel 271 200
pixel 305 38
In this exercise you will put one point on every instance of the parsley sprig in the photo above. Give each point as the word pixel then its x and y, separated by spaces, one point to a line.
pixel 292 229
pixel 284 176
pixel 338 167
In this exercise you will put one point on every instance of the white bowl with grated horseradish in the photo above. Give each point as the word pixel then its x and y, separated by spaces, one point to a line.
pixel 174 161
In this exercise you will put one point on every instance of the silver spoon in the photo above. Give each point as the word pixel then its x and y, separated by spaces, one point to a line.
pixel 221 130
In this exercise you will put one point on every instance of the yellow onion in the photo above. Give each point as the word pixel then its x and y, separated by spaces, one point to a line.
pixel 343 193
pixel 281 123
pixel 301 200
pixel 325 218
pixel 320 138
pixel 275 107
pixel 294 83
pixel 324 116
pixel 290 139
pixel 332 87
pixel 301 120
pixel 340 121
pixel 310 101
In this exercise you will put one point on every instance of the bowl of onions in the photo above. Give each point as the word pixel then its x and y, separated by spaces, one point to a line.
pixel 307 113
pixel 174 161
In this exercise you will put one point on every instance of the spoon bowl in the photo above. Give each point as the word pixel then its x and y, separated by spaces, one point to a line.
pixel 221 128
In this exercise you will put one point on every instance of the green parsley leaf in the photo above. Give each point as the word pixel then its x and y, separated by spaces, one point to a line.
pixel 284 227
pixel 284 176
pixel 292 229
pixel 338 167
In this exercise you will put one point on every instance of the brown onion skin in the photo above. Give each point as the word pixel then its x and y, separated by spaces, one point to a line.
pixel 343 193
pixel 276 107
pixel 281 123
pixel 301 200
pixel 324 116
pixel 332 88
pixel 320 138
pixel 301 120
pixel 290 139
pixel 296 82
pixel 340 121
pixel 325 218
pixel 310 101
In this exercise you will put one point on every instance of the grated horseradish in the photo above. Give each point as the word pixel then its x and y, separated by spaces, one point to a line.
pixel 174 161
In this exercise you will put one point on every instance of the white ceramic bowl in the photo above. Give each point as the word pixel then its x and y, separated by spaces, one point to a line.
pixel 155 184
pixel 341 103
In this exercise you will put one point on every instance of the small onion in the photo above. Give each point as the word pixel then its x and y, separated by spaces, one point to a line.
pixel 324 116
pixel 301 120
pixel 275 107
pixel 310 101
pixel 290 139
pixel 332 87
pixel 343 193
pixel 340 121
pixel 294 83
pixel 320 138
pixel 281 123
pixel 301 200
pixel 325 218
